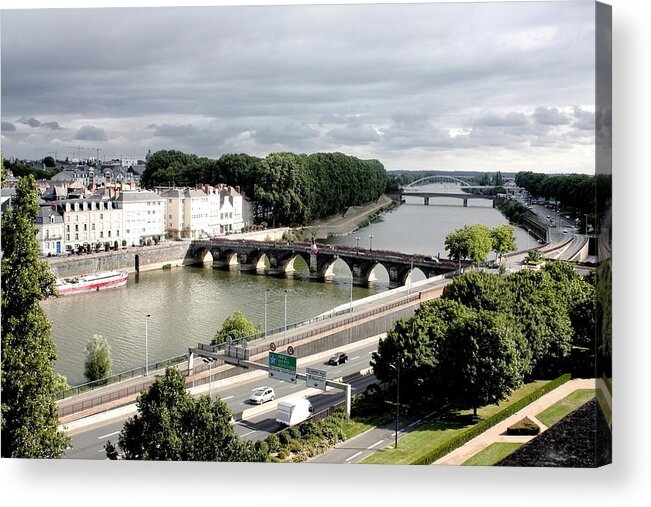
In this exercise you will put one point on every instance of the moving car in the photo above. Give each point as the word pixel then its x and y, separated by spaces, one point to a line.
pixel 261 395
pixel 338 358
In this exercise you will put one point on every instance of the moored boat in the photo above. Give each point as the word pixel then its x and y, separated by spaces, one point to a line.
pixel 105 280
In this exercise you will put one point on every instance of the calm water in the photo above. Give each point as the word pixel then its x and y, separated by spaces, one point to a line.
pixel 188 305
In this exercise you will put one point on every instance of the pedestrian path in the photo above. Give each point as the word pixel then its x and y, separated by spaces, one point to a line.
pixel 496 433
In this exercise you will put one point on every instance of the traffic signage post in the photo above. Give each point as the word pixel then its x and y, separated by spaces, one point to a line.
pixel 315 378
pixel 282 367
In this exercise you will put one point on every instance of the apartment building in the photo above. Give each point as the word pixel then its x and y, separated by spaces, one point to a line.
pixel 143 215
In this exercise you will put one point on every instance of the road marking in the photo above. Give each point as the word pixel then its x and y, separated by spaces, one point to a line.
pixel 228 397
pixel 354 456
pixel 413 424
pixel 353 358
pixel 376 443
pixel 101 450
pixel 245 434
pixel 109 435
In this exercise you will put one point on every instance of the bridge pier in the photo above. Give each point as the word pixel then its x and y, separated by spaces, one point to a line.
pixel 426 201
pixel 465 203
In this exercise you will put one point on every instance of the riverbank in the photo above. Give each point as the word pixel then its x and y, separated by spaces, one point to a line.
pixel 353 218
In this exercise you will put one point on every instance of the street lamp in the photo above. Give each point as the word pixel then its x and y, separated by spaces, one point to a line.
pixel 411 272
pixel 371 245
pixel 285 333
pixel 266 295
pixel 357 238
pixel 397 401
pixel 352 279
pixel 146 346
pixel 586 224
pixel 209 360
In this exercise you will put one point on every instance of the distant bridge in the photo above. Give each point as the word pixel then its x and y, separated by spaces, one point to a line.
pixel 451 187
pixel 250 256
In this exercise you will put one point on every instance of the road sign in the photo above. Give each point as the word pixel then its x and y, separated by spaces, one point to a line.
pixel 290 350
pixel 272 347
pixel 282 367
pixel 315 378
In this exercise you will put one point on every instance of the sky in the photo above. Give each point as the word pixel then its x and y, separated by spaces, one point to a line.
pixel 474 86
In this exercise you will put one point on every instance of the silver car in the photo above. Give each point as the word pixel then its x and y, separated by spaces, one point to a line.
pixel 262 395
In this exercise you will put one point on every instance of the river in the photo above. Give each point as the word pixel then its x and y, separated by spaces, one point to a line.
pixel 188 305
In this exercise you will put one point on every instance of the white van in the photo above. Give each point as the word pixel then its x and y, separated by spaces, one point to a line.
pixel 293 411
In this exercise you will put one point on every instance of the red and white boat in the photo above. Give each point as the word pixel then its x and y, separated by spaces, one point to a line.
pixel 105 280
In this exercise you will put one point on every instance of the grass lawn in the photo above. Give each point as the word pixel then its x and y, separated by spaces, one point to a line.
pixel 357 425
pixel 426 437
pixel 560 409
pixel 492 454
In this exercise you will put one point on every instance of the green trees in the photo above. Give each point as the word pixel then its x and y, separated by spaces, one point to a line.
pixel 487 333
pixel 472 242
pixel 503 239
pixel 171 425
pixel 236 326
pixel 288 188
pixel 577 190
pixel 29 413
pixel 98 358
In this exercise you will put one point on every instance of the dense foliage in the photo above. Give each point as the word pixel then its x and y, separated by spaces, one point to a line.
pixel 21 169
pixel 29 412
pixel 575 190
pixel 474 242
pixel 171 425
pixel 235 326
pixel 98 358
pixel 487 334
pixel 287 188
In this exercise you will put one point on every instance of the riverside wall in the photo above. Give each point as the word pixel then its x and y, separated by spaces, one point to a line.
pixel 131 259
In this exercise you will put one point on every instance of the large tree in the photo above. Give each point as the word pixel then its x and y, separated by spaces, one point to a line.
pixel 171 425
pixel 483 359
pixel 503 237
pixel 98 358
pixel 235 326
pixel 29 412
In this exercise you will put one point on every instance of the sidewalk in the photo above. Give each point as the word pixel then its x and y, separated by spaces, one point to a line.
pixel 495 434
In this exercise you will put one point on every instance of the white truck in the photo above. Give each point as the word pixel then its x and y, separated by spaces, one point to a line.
pixel 293 411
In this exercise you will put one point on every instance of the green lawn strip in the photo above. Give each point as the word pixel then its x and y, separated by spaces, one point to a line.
pixel 426 438
pixel 605 408
pixel 560 409
pixel 358 425
pixel 492 454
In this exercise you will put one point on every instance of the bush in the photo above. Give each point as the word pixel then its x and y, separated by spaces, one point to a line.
pixel 294 432
pixel 282 454
pixel 523 427
pixel 273 442
pixel 370 402
pixel 285 437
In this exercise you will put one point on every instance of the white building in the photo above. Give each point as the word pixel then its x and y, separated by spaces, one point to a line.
pixel 49 227
pixel 90 221
pixel 212 211
pixel 143 215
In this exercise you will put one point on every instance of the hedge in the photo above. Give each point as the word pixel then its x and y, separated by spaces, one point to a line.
pixel 489 422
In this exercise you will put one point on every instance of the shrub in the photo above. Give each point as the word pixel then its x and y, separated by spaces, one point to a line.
pixel 282 454
pixel 523 427
pixel 296 446
pixel 285 437
pixel 273 442
pixel 295 433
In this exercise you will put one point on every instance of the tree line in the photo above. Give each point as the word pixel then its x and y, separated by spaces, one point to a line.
pixel 573 190
pixel 287 188
pixel 487 334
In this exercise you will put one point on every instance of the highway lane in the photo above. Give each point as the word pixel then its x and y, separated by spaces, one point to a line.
pixel 88 441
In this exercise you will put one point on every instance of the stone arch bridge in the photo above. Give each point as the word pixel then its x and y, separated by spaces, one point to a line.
pixel 249 256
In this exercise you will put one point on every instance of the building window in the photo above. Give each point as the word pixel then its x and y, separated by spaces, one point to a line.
pixel 101 216
pixel 76 236
pixel 85 227
pixel 67 228
pixel 109 234
pixel 92 227
pixel 76 227
pixel 67 237
pixel 101 234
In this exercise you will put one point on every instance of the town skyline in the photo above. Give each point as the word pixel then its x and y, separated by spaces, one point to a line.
pixel 422 86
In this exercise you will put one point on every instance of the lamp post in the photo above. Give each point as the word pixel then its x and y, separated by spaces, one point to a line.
pixel 352 278
pixel 285 333
pixel 146 346
pixel 586 224
pixel 266 295
pixel 370 249
pixel 411 272
pixel 397 401
pixel 209 360
pixel 357 238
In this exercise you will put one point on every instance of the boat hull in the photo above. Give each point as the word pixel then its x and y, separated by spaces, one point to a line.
pixel 93 283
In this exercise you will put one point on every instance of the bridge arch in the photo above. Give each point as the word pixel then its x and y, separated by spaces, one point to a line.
pixel 202 255
pixel 437 179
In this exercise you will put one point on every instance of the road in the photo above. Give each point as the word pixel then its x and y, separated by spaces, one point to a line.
pixel 88 442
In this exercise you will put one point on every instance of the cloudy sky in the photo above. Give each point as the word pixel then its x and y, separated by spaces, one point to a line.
pixel 506 86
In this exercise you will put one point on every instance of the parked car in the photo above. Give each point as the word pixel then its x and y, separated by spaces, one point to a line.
pixel 262 395
pixel 338 358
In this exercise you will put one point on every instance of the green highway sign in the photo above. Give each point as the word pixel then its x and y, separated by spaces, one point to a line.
pixel 282 367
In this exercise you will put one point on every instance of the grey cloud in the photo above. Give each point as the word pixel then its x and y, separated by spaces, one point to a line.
pixel 284 133
pixel 354 134
pixel 494 120
pixel 174 131
pixel 583 120
pixel 32 122
pixel 8 127
pixel 550 116
pixel 91 133
pixel 52 125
